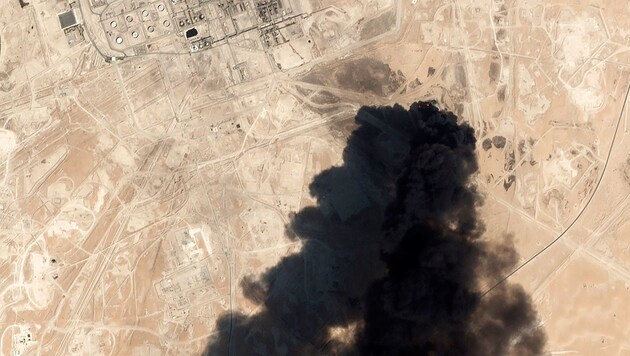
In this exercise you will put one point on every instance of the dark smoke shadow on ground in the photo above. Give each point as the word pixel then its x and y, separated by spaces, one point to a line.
pixel 392 258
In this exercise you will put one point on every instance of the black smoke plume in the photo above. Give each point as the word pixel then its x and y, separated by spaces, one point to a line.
pixel 393 258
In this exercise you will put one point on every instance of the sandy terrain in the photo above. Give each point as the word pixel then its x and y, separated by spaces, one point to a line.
pixel 146 181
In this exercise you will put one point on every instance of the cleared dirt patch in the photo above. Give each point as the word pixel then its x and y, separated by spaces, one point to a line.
pixel 378 25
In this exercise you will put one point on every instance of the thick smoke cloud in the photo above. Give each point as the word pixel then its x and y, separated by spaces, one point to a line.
pixel 393 260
